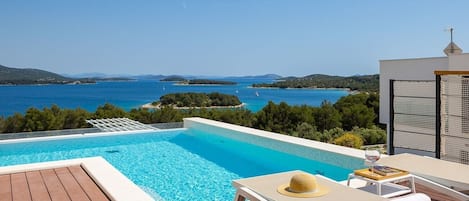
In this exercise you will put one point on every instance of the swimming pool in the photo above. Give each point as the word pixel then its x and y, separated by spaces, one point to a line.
pixel 185 164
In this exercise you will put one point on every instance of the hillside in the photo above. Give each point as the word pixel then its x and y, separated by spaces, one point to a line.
pixel 368 83
pixel 10 75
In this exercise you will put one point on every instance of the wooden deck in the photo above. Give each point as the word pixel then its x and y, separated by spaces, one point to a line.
pixel 59 184
pixel 436 196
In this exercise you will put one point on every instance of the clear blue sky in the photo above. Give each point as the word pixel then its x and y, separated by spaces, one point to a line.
pixel 225 37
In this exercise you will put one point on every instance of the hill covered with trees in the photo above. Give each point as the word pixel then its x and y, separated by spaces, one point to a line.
pixel 368 83
pixel 34 76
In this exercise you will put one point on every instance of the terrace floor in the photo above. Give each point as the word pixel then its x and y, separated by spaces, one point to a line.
pixel 434 195
pixel 66 183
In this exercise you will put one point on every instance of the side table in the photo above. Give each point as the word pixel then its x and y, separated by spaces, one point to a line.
pixel 386 187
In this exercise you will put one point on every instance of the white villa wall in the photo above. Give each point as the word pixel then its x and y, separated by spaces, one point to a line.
pixel 423 69
pixel 459 62
pixel 405 69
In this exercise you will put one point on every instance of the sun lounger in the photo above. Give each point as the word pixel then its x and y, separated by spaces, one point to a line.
pixel 244 193
pixel 440 175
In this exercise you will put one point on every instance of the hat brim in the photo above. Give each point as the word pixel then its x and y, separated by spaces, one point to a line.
pixel 284 190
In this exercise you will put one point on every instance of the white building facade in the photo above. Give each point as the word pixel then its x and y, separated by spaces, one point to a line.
pixel 409 105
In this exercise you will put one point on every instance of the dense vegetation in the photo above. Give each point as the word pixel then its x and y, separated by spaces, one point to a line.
pixel 369 83
pixel 34 76
pixel 198 100
pixel 351 121
pixel 204 81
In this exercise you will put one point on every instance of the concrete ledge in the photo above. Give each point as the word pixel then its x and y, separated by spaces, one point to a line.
pixel 72 136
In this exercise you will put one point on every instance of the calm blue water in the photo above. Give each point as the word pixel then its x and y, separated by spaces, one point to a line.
pixel 175 165
pixel 133 94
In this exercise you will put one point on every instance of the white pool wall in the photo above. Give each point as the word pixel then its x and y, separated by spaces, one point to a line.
pixel 328 153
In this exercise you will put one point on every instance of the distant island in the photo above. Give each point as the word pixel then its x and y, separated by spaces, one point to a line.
pixel 196 100
pixel 22 76
pixel 365 83
pixel 206 82
pixel 174 78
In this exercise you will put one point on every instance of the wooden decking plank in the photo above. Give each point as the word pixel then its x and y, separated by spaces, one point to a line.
pixel 436 196
pixel 5 188
pixel 37 187
pixel 72 187
pixel 19 187
pixel 88 185
pixel 54 186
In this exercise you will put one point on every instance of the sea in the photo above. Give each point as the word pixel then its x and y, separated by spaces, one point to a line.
pixel 133 94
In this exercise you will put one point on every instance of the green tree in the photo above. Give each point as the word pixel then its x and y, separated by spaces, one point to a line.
pixel 358 110
pixel 166 114
pixel 109 111
pixel 357 115
pixel 275 118
pixel 308 131
pixel 53 118
pixel 142 115
pixel 34 120
pixel 14 123
pixel 75 118
pixel 326 117
pixel 373 102
pixel 373 135
pixel 2 124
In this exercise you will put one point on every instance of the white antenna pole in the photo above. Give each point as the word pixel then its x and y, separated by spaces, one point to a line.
pixel 451 29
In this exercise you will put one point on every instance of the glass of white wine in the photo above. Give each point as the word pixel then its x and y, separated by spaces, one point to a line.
pixel 372 154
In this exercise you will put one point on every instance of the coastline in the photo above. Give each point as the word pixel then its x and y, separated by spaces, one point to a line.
pixel 185 84
pixel 150 106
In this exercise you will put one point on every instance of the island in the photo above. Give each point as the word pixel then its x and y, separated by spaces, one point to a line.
pixel 206 82
pixel 174 78
pixel 363 83
pixel 192 100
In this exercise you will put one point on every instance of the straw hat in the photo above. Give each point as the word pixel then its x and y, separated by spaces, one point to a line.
pixel 303 186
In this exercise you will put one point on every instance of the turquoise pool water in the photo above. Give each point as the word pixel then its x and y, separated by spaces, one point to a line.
pixel 173 165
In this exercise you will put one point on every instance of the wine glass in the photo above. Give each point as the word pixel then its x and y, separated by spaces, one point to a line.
pixel 372 154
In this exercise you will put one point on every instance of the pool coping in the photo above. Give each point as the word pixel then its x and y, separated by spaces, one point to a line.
pixel 73 136
pixel 111 181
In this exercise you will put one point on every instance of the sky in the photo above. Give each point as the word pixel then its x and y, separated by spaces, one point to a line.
pixel 225 37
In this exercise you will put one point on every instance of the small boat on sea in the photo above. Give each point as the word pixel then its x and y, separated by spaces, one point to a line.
pixel 257 93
